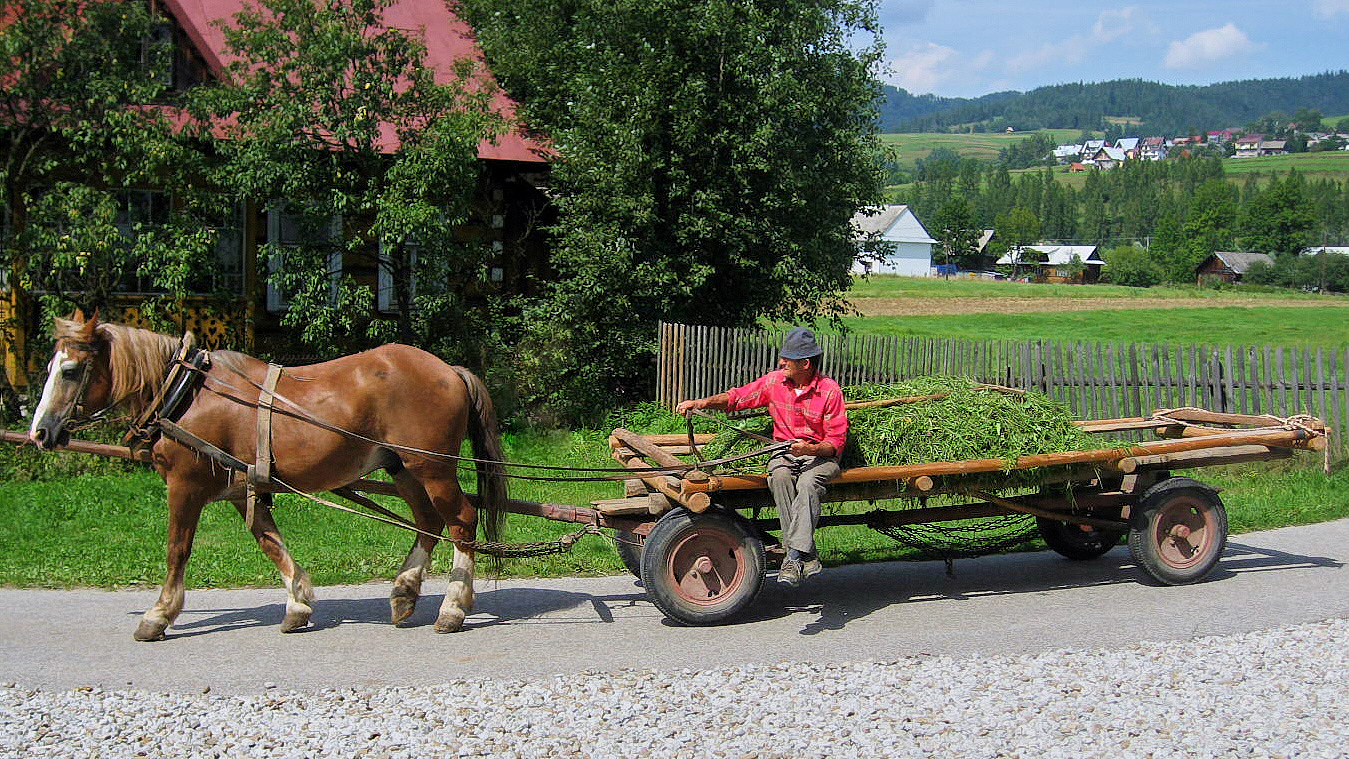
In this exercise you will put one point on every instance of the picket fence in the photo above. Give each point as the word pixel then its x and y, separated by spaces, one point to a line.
pixel 1095 380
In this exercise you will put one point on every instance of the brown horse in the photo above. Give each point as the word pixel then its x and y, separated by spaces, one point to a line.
pixel 381 409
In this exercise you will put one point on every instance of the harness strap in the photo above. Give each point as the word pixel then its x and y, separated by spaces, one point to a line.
pixel 260 472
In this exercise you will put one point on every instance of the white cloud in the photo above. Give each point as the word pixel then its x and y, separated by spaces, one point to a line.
pixel 1113 24
pixel 1110 26
pixel 924 67
pixel 1209 47
pixel 1330 8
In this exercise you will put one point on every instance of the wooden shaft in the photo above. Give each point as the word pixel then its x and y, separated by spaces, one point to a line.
pixel 85 446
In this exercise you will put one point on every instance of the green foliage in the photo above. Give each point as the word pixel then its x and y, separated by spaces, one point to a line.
pixel 1279 219
pixel 711 155
pixel 1132 266
pixel 313 95
pixel 71 135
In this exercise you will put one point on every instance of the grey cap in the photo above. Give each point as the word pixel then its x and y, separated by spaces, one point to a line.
pixel 800 343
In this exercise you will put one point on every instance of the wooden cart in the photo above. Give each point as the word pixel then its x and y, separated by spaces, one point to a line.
pixel 703 559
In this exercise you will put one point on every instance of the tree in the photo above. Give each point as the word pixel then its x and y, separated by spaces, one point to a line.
pixel 1207 228
pixel 1018 228
pixel 313 97
pixel 957 231
pixel 78 122
pixel 711 156
pixel 1131 266
pixel 1278 220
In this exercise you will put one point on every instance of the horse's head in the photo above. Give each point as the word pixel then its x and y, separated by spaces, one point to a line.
pixel 77 379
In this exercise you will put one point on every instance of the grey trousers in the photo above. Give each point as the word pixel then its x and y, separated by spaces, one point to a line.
pixel 797 484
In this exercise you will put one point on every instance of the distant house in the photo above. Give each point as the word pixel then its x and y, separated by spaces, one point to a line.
pixel 1067 153
pixel 1107 158
pixel 1056 263
pixel 1129 145
pixel 1229 267
pixel 1314 250
pixel 907 245
pixel 1255 145
pixel 1153 149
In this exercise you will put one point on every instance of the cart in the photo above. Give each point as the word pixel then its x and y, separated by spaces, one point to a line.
pixel 702 552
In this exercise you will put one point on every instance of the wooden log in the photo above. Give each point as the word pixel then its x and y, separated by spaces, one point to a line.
pixel 1277 438
pixel 671 439
pixel 1203 416
pixel 631 456
pixel 1235 454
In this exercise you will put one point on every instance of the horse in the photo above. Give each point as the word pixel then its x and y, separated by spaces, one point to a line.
pixel 393 408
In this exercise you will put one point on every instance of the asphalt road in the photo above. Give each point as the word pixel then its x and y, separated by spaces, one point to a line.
pixel 229 640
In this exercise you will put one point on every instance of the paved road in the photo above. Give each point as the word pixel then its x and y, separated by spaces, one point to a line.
pixel 228 640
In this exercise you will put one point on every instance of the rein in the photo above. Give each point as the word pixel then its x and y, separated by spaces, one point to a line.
pixel 298 412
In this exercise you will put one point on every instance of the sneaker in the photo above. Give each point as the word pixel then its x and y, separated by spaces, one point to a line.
pixel 810 568
pixel 790 572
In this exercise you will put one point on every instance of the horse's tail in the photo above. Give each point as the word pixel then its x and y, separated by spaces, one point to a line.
pixel 485 435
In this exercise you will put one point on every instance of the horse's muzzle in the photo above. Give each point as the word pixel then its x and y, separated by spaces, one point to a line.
pixel 48 439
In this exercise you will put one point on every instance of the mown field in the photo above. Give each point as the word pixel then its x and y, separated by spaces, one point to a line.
pixel 65 525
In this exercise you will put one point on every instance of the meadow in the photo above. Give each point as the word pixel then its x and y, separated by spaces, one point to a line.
pixel 71 520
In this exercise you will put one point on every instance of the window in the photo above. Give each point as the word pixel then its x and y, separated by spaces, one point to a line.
pixel 386 296
pixel 288 230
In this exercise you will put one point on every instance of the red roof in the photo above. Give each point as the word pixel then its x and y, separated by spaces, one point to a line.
pixel 448 39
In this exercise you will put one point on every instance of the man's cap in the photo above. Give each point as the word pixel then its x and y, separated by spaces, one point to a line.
pixel 800 343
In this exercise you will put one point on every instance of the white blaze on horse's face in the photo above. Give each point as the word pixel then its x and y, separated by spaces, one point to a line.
pixel 46 427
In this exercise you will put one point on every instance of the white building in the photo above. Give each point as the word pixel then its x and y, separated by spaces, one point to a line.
pixel 908 246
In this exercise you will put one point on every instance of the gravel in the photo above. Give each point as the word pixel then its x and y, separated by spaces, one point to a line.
pixel 1272 693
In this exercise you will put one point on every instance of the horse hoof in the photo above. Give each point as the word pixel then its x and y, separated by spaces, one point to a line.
pixel 294 620
pixel 150 631
pixel 450 621
pixel 401 607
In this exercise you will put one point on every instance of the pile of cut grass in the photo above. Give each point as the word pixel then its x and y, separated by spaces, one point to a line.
pixel 969 421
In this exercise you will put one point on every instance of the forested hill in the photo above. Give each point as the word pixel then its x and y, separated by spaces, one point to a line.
pixel 1150 107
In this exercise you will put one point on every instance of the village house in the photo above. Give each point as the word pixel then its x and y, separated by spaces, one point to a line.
pixel 905 243
pixel 1229 267
pixel 1062 264
pixel 506 212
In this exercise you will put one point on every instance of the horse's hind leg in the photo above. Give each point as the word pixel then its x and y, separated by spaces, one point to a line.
pixel 299 589
pixel 463 526
pixel 407 586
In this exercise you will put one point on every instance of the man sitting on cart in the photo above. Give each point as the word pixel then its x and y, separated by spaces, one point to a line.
pixel 807 411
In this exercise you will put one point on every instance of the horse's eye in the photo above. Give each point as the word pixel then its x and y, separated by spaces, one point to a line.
pixel 72 372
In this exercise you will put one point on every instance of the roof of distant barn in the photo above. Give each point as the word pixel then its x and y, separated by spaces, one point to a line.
pixel 448 39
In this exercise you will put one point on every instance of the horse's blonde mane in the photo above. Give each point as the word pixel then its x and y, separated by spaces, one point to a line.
pixel 136 358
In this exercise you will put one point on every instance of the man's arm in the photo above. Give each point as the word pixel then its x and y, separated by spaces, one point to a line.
pixel 718 402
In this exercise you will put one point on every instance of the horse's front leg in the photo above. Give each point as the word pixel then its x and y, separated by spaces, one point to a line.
pixel 185 505
pixel 299 589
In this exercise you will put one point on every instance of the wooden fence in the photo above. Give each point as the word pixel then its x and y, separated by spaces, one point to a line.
pixel 1095 380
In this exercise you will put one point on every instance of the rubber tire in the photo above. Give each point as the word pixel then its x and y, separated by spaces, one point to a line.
pixel 1071 541
pixel 629 547
pixel 1173 502
pixel 679 538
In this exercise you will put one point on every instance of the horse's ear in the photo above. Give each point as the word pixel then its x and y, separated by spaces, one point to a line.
pixel 78 315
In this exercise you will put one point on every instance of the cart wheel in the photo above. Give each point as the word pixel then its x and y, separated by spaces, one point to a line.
pixel 629 546
pixel 1077 541
pixel 1178 531
pixel 701 569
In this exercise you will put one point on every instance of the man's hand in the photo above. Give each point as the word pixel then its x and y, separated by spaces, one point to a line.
pixel 802 448
pixel 685 407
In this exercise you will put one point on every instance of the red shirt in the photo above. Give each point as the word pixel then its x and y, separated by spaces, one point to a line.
pixel 815 416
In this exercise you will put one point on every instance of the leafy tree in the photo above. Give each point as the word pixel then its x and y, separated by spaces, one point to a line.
pixel 1208 227
pixel 1279 219
pixel 77 74
pixel 711 156
pixel 1016 229
pixel 1131 266
pixel 337 119
pixel 956 229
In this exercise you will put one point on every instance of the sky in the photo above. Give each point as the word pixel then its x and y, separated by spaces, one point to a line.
pixel 969 48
